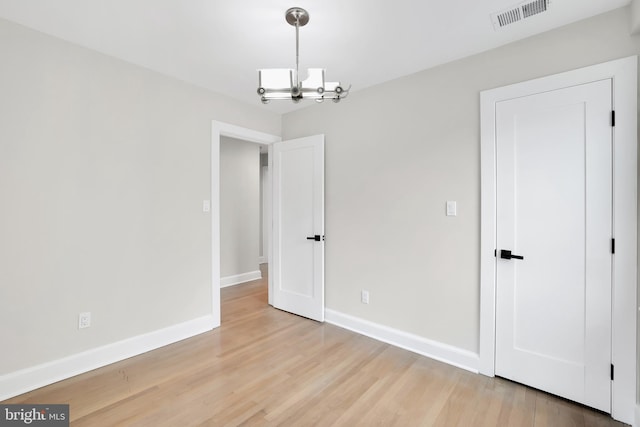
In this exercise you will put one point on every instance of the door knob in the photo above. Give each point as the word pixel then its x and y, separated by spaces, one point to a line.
pixel 505 254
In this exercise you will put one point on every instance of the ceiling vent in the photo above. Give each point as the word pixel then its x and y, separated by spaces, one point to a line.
pixel 518 13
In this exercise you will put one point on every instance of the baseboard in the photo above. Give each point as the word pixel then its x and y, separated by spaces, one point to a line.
pixel 262 260
pixel 435 350
pixel 240 278
pixel 25 380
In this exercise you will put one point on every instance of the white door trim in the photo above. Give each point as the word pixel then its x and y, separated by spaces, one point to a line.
pixel 219 129
pixel 624 75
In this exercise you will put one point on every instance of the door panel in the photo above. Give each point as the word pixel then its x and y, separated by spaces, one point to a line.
pixel 554 206
pixel 298 212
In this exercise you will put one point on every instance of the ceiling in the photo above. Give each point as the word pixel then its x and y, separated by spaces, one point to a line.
pixel 219 44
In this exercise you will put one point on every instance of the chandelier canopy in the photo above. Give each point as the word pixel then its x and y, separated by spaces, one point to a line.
pixel 284 83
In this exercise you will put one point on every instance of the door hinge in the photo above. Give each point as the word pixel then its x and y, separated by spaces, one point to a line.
pixel 495 253
pixel 613 118
pixel 612 372
pixel 613 246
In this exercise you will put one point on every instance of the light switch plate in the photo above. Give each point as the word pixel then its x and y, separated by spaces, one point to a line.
pixel 206 205
pixel 451 208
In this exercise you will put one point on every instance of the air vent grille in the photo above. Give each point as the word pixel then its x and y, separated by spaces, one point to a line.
pixel 519 12
pixel 534 8
pixel 509 17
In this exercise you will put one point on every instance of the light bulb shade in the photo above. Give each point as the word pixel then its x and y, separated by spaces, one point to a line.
pixel 283 83
pixel 276 81
pixel 314 80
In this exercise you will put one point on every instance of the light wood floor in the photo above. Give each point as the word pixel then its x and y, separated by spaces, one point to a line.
pixel 264 367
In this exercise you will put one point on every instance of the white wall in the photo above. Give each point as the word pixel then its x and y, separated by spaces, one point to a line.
pixel 103 169
pixel 635 16
pixel 397 152
pixel 239 207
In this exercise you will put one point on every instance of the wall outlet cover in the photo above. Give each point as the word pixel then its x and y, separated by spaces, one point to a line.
pixel 84 320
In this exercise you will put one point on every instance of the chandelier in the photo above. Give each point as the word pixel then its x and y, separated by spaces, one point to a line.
pixel 284 83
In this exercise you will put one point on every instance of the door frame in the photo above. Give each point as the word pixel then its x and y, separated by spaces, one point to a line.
pixel 623 73
pixel 219 129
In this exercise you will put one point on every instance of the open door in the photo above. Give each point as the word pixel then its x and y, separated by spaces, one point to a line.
pixel 298 226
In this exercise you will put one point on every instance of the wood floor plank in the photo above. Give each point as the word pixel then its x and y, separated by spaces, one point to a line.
pixel 265 367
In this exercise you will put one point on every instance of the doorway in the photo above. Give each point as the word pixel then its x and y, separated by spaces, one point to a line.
pixel 623 75
pixel 241 211
pixel 219 129
pixel 297 184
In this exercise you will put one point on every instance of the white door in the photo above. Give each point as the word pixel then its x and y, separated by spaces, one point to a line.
pixel 298 226
pixel 554 209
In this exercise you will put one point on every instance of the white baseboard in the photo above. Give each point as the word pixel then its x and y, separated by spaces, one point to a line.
pixel 240 278
pixel 25 380
pixel 435 350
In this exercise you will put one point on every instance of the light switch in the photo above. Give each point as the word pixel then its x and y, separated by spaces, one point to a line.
pixel 451 208
pixel 206 205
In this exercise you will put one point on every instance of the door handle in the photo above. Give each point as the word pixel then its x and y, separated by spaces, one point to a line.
pixel 317 238
pixel 505 254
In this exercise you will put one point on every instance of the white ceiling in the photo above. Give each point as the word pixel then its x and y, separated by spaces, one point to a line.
pixel 219 44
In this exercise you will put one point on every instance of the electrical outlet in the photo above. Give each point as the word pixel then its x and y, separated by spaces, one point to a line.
pixel 84 320
pixel 364 297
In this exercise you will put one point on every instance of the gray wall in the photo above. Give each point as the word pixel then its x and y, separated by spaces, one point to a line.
pixel 635 16
pixel 397 152
pixel 264 163
pixel 239 206
pixel 103 169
